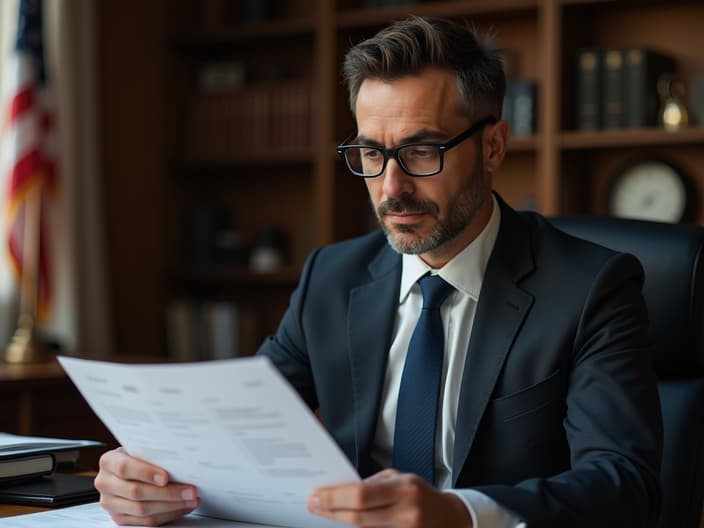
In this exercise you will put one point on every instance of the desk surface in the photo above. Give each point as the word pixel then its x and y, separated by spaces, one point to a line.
pixel 8 510
pixel 31 372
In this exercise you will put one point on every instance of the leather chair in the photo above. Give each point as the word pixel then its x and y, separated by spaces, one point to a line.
pixel 673 259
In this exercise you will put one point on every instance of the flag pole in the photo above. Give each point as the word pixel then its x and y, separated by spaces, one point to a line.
pixel 25 346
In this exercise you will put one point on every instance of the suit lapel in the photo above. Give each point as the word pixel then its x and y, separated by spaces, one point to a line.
pixel 501 311
pixel 372 306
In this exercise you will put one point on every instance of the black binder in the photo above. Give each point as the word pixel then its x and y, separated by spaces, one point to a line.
pixel 59 489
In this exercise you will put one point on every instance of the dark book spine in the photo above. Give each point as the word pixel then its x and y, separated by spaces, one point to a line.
pixel 642 70
pixel 589 89
pixel 613 85
pixel 507 108
pixel 523 108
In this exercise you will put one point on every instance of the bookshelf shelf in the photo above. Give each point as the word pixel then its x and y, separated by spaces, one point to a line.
pixel 251 31
pixel 233 275
pixel 366 17
pixel 523 144
pixel 574 140
pixel 272 160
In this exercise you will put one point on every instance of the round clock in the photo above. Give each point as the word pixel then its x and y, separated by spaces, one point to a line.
pixel 650 190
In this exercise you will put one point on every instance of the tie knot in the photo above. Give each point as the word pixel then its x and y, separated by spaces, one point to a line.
pixel 435 291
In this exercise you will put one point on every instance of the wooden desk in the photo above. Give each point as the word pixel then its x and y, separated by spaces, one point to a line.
pixel 41 400
pixel 9 510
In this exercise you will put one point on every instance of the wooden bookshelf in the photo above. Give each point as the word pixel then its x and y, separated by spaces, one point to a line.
pixel 305 191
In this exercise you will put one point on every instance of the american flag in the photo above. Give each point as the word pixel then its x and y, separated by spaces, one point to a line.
pixel 28 148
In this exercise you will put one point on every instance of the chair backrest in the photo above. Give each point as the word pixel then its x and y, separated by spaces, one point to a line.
pixel 673 259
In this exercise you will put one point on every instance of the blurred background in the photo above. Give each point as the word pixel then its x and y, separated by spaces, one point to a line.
pixel 190 163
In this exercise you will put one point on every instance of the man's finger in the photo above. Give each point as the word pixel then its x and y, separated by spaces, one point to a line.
pixel 357 496
pixel 144 509
pixel 128 467
pixel 109 484
pixel 362 518
pixel 383 475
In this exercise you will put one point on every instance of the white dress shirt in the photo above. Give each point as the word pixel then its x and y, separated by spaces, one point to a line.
pixel 465 272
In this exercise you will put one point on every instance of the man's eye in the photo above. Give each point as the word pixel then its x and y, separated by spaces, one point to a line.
pixel 371 154
pixel 422 152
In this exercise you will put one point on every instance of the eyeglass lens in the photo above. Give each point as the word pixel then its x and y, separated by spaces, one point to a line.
pixel 417 160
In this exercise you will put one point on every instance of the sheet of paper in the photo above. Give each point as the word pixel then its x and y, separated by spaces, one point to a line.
pixel 234 428
pixel 93 516
pixel 11 445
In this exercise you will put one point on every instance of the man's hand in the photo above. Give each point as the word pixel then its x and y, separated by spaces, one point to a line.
pixel 135 492
pixel 391 499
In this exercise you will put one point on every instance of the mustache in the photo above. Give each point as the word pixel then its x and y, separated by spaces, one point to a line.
pixel 406 205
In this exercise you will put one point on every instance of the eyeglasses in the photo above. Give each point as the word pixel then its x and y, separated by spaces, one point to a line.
pixel 416 159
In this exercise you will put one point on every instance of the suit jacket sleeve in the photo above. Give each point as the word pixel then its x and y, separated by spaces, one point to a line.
pixel 613 423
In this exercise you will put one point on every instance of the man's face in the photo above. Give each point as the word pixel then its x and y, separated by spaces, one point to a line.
pixel 434 216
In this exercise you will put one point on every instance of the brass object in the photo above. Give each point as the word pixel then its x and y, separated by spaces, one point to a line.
pixel 25 346
pixel 673 112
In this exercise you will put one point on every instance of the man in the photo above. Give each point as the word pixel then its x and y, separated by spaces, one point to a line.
pixel 542 407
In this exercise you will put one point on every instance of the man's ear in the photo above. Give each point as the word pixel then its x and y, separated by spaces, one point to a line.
pixel 495 140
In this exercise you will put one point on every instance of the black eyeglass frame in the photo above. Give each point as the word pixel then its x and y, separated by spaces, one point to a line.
pixel 393 151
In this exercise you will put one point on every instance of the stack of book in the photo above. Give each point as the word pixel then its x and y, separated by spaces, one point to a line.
pixel 231 118
pixel 200 330
pixel 28 471
pixel 617 87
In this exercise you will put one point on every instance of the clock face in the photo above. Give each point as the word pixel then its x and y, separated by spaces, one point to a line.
pixel 649 190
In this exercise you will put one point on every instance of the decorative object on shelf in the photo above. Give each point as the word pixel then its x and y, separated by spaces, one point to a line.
pixel 651 189
pixel 269 252
pixel 213 238
pixel 673 113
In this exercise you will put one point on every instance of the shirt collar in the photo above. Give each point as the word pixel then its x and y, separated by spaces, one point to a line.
pixel 466 269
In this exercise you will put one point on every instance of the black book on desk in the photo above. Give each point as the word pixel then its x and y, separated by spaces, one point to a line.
pixel 27 470
pixel 59 489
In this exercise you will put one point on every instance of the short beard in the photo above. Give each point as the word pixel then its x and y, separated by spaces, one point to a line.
pixel 461 213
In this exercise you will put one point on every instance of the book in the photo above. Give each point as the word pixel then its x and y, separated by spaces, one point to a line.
pixel 26 467
pixel 613 89
pixel 642 69
pixel 589 89
pixel 199 330
pixel 59 489
pixel 519 107
pixel 19 448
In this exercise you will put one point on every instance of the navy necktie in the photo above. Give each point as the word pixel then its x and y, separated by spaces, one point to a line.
pixel 416 414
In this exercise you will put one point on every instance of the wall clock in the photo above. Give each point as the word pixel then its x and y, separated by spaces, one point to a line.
pixel 651 189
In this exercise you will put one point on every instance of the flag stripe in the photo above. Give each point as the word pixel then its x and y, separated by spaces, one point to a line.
pixel 28 148
pixel 22 102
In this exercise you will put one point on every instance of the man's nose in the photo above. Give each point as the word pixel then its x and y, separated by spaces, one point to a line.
pixel 396 181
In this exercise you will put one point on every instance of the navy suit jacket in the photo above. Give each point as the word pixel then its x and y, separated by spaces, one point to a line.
pixel 558 417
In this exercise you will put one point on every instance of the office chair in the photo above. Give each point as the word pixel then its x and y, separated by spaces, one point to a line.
pixel 673 259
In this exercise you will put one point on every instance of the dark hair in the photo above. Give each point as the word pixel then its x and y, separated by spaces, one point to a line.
pixel 409 46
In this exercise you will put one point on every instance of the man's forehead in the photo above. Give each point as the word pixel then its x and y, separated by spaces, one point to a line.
pixel 409 105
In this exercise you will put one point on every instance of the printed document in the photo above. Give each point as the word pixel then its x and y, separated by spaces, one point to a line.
pixel 234 428
pixel 94 516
